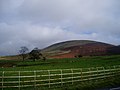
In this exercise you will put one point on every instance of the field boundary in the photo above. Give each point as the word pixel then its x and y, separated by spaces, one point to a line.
pixel 51 78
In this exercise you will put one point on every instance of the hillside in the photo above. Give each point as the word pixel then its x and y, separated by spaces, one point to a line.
pixel 66 44
pixel 74 48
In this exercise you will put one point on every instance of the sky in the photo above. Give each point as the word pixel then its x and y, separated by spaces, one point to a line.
pixel 40 23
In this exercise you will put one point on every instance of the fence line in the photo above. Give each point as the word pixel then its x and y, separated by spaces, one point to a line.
pixel 48 78
pixel 19 80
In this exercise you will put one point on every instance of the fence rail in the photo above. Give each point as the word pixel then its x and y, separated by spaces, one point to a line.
pixel 49 78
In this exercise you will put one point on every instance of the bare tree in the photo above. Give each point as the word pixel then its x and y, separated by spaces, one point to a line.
pixel 23 52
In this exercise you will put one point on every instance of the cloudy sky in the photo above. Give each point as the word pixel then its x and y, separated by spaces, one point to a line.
pixel 40 23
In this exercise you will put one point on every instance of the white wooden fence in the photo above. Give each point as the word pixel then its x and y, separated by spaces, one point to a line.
pixel 51 78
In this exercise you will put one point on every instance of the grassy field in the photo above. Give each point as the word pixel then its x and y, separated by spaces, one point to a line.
pixel 83 62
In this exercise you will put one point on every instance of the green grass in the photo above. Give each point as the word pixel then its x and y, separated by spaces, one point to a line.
pixel 86 85
pixel 83 62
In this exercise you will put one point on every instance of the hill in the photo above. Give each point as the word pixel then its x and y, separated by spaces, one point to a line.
pixel 66 44
pixel 74 48
pixel 77 48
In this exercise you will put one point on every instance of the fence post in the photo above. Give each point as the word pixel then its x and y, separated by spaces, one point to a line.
pixel 61 78
pixel 103 71
pixel 19 80
pixel 72 75
pixel 118 69
pixel 110 71
pixel 49 77
pixel 97 73
pixel 114 69
pixel 2 80
pixel 81 75
pixel 89 74
pixel 35 80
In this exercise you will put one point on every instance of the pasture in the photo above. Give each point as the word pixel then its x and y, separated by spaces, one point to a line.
pixel 98 71
pixel 83 62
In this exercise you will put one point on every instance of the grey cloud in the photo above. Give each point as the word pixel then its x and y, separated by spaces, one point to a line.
pixel 39 23
pixel 83 15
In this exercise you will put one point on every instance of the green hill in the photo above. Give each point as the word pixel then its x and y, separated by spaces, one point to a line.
pixel 75 47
